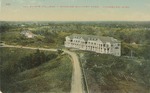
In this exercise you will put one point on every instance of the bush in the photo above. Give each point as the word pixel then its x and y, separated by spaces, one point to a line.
pixel 34 60
pixel 108 69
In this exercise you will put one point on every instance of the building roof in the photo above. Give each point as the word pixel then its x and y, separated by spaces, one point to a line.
pixel 26 32
pixel 94 38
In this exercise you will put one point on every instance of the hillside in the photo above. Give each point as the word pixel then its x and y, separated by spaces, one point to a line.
pixel 51 76
pixel 110 74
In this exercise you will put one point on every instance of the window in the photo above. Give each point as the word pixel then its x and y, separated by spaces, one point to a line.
pixel 107 45
pixel 116 47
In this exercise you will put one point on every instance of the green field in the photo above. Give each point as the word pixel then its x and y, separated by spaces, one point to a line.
pixel 52 76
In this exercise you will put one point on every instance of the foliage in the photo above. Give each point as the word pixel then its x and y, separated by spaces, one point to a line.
pixel 15 65
pixel 144 71
pixel 27 62
pixel 20 75
pixel 52 34
pixel 4 27
pixel 106 66
pixel 145 51
pixel 108 70
pixel 60 51
pixel 34 60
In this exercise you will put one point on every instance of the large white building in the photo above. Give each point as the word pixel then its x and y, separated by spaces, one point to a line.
pixel 99 44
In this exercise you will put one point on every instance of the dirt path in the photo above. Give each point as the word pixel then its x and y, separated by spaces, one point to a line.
pixel 76 85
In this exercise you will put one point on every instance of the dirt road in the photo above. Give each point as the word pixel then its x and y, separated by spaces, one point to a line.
pixel 76 85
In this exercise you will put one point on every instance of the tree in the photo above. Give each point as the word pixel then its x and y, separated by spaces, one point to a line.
pixel 4 27
pixel 60 51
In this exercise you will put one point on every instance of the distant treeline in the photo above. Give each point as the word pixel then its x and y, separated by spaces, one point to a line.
pixel 135 36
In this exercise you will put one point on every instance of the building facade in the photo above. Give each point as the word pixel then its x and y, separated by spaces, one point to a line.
pixel 98 44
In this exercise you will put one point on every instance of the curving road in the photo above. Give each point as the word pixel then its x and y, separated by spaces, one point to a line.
pixel 76 85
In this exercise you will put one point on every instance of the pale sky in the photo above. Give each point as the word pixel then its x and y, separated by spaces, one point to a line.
pixel 64 10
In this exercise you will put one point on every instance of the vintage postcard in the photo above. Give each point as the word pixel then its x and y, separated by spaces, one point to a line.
pixel 74 46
